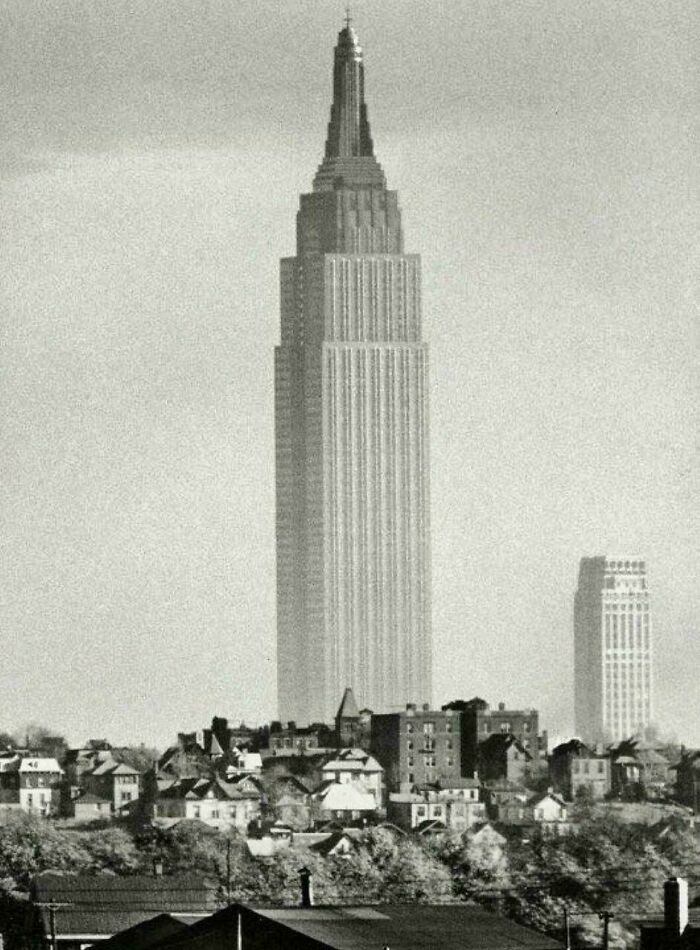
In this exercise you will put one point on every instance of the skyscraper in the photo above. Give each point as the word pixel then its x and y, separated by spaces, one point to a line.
pixel 612 649
pixel 351 415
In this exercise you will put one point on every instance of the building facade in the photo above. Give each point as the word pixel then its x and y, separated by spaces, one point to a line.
pixel 612 649
pixel 351 421
pixel 417 747
pixel 479 722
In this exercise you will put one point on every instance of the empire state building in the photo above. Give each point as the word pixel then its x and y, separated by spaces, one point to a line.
pixel 351 417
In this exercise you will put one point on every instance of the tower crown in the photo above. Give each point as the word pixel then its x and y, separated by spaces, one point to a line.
pixel 349 157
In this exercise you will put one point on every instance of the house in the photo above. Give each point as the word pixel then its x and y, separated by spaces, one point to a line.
pixel 500 795
pixel 94 907
pixel 297 740
pixel 216 803
pixel 113 781
pixel 342 801
pixel 357 767
pixel 547 812
pixel 408 810
pixel 503 757
pixel 336 843
pixel 40 786
pixel 679 929
pixel 688 778
pixel 91 807
pixel 574 766
pixel 399 927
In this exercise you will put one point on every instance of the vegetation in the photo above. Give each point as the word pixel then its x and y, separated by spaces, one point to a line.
pixel 605 865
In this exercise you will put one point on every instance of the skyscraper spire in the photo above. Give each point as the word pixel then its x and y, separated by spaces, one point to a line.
pixel 348 129
pixel 349 155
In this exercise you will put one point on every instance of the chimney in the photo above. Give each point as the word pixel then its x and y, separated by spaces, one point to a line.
pixel 501 706
pixel 158 867
pixel 426 707
pixel 307 893
pixel 675 906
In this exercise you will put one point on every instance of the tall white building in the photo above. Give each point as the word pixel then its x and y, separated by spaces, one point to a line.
pixel 612 649
pixel 351 416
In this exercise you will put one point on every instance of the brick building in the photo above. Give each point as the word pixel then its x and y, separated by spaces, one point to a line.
pixel 417 746
pixel 478 721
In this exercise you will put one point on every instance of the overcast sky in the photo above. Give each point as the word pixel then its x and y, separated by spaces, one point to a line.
pixel 546 159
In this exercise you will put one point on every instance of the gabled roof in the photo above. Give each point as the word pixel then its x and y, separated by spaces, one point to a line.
pixel 147 934
pixel 348 706
pixel 538 798
pixel 344 797
pixel 330 843
pixel 399 926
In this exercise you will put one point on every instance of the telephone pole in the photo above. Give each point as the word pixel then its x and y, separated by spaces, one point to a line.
pixel 52 907
pixel 605 916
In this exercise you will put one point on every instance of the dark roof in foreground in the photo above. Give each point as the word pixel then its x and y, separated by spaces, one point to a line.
pixel 99 904
pixel 146 934
pixel 399 926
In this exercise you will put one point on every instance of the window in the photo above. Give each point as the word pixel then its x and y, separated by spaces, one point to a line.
pixel 450 760
pixel 449 744
pixel 428 728
pixel 420 811
pixel 409 745
pixel 505 727
pixel 126 796
pixel 410 776
pixel 448 726
pixel 215 813
pixel 409 727
pixel 410 761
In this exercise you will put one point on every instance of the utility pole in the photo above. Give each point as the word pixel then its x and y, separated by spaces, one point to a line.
pixel 228 870
pixel 52 907
pixel 567 928
pixel 605 916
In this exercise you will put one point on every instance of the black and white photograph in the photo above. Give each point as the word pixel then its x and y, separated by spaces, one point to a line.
pixel 349 476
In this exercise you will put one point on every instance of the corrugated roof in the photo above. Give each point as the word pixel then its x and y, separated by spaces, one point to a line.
pixel 106 904
pixel 401 927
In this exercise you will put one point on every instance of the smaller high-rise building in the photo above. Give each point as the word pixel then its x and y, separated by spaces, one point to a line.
pixel 612 649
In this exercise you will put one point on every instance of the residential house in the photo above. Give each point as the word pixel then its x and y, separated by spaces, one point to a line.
pixel 299 740
pixel 343 802
pixel 502 796
pixel 574 766
pixel 115 782
pixel 356 767
pixel 417 747
pixel 215 803
pixel 92 908
pixel 688 778
pixel 40 786
pixel 546 812
pixel 503 757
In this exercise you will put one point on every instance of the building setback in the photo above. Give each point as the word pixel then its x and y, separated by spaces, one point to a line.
pixel 351 419
pixel 612 649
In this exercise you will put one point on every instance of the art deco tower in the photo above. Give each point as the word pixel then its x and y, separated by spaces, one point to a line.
pixel 351 413
pixel 612 649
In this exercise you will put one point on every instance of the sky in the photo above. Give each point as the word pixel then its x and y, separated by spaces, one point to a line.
pixel 545 155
